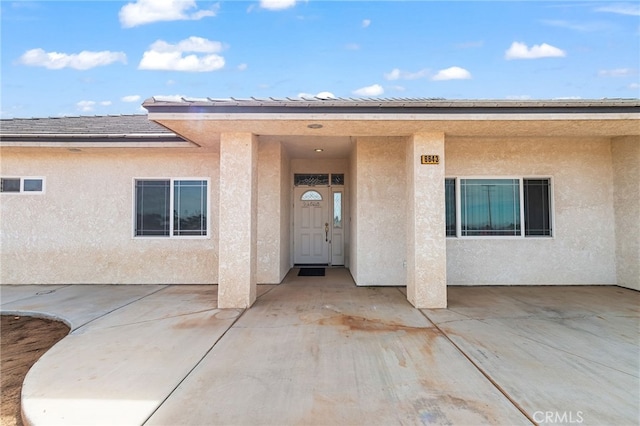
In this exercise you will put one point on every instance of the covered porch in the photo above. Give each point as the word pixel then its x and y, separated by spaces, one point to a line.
pixel 394 157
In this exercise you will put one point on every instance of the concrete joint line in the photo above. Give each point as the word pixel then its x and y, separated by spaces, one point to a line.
pixel 194 367
pixel 116 309
pixel 484 373
pixel 541 343
pixel 40 293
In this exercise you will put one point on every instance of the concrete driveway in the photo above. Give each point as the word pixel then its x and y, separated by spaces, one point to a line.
pixel 319 350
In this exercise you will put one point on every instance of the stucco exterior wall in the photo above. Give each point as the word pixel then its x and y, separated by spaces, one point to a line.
pixel 81 229
pixel 626 189
pixel 353 213
pixel 274 195
pixel 285 216
pixel 582 250
pixel 269 212
pixel 381 211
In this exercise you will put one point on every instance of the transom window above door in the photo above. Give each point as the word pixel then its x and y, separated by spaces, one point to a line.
pixel 318 179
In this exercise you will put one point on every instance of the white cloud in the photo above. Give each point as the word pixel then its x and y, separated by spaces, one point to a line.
pixel 373 90
pixel 147 11
pixel 452 73
pixel 397 74
pixel 191 44
pixel 321 95
pixel 326 95
pixel 81 61
pixel 352 46
pixel 634 86
pixel 242 67
pixel 619 72
pixel 521 51
pixel 632 9
pixel 366 23
pixel 86 106
pixel 277 4
pixel 170 57
pixel 130 98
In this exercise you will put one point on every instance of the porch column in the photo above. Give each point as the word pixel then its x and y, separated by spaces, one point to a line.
pixel 237 221
pixel 426 244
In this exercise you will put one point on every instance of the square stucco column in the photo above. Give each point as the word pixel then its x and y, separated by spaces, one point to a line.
pixel 237 221
pixel 426 244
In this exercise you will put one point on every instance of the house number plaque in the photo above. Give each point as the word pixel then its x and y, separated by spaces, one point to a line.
pixel 429 159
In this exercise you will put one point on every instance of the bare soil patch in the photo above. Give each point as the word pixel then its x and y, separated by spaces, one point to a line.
pixel 23 340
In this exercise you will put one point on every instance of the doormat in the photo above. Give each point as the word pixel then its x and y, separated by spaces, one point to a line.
pixel 311 272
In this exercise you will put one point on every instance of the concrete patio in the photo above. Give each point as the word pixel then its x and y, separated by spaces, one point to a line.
pixel 319 350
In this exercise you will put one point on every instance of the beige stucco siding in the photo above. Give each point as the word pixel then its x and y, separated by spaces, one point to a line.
pixel 626 177
pixel 81 229
pixel 381 211
pixel 582 250
pixel 273 213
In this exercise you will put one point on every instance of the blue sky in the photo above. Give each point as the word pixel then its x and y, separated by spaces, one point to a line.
pixel 106 57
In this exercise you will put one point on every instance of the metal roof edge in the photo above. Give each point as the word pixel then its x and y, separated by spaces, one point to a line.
pixel 385 106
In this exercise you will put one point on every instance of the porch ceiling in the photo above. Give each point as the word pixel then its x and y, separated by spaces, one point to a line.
pixel 205 131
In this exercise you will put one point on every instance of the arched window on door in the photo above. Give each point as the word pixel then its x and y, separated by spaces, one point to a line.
pixel 311 196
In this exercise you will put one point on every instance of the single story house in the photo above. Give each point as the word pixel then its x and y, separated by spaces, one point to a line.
pixel 403 192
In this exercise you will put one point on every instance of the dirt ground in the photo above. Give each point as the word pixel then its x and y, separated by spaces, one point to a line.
pixel 22 341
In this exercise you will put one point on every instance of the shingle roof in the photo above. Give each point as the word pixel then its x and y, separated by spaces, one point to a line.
pixel 83 125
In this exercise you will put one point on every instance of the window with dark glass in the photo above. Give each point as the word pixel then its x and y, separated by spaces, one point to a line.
pixel 450 206
pixel 537 210
pixel 153 208
pixel 190 207
pixel 164 209
pixel 10 185
pixel 492 207
pixel 32 185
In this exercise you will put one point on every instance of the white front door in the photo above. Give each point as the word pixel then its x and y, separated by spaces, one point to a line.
pixel 311 225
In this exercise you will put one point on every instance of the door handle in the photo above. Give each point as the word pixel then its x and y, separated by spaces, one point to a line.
pixel 326 231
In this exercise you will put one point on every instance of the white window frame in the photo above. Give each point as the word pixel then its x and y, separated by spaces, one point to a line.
pixel 22 179
pixel 522 235
pixel 171 203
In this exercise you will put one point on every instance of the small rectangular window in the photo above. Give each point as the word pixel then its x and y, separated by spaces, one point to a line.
pixel 537 210
pixel 337 179
pixel 10 185
pixel 32 185
pixel 311 179
pixel 337 210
